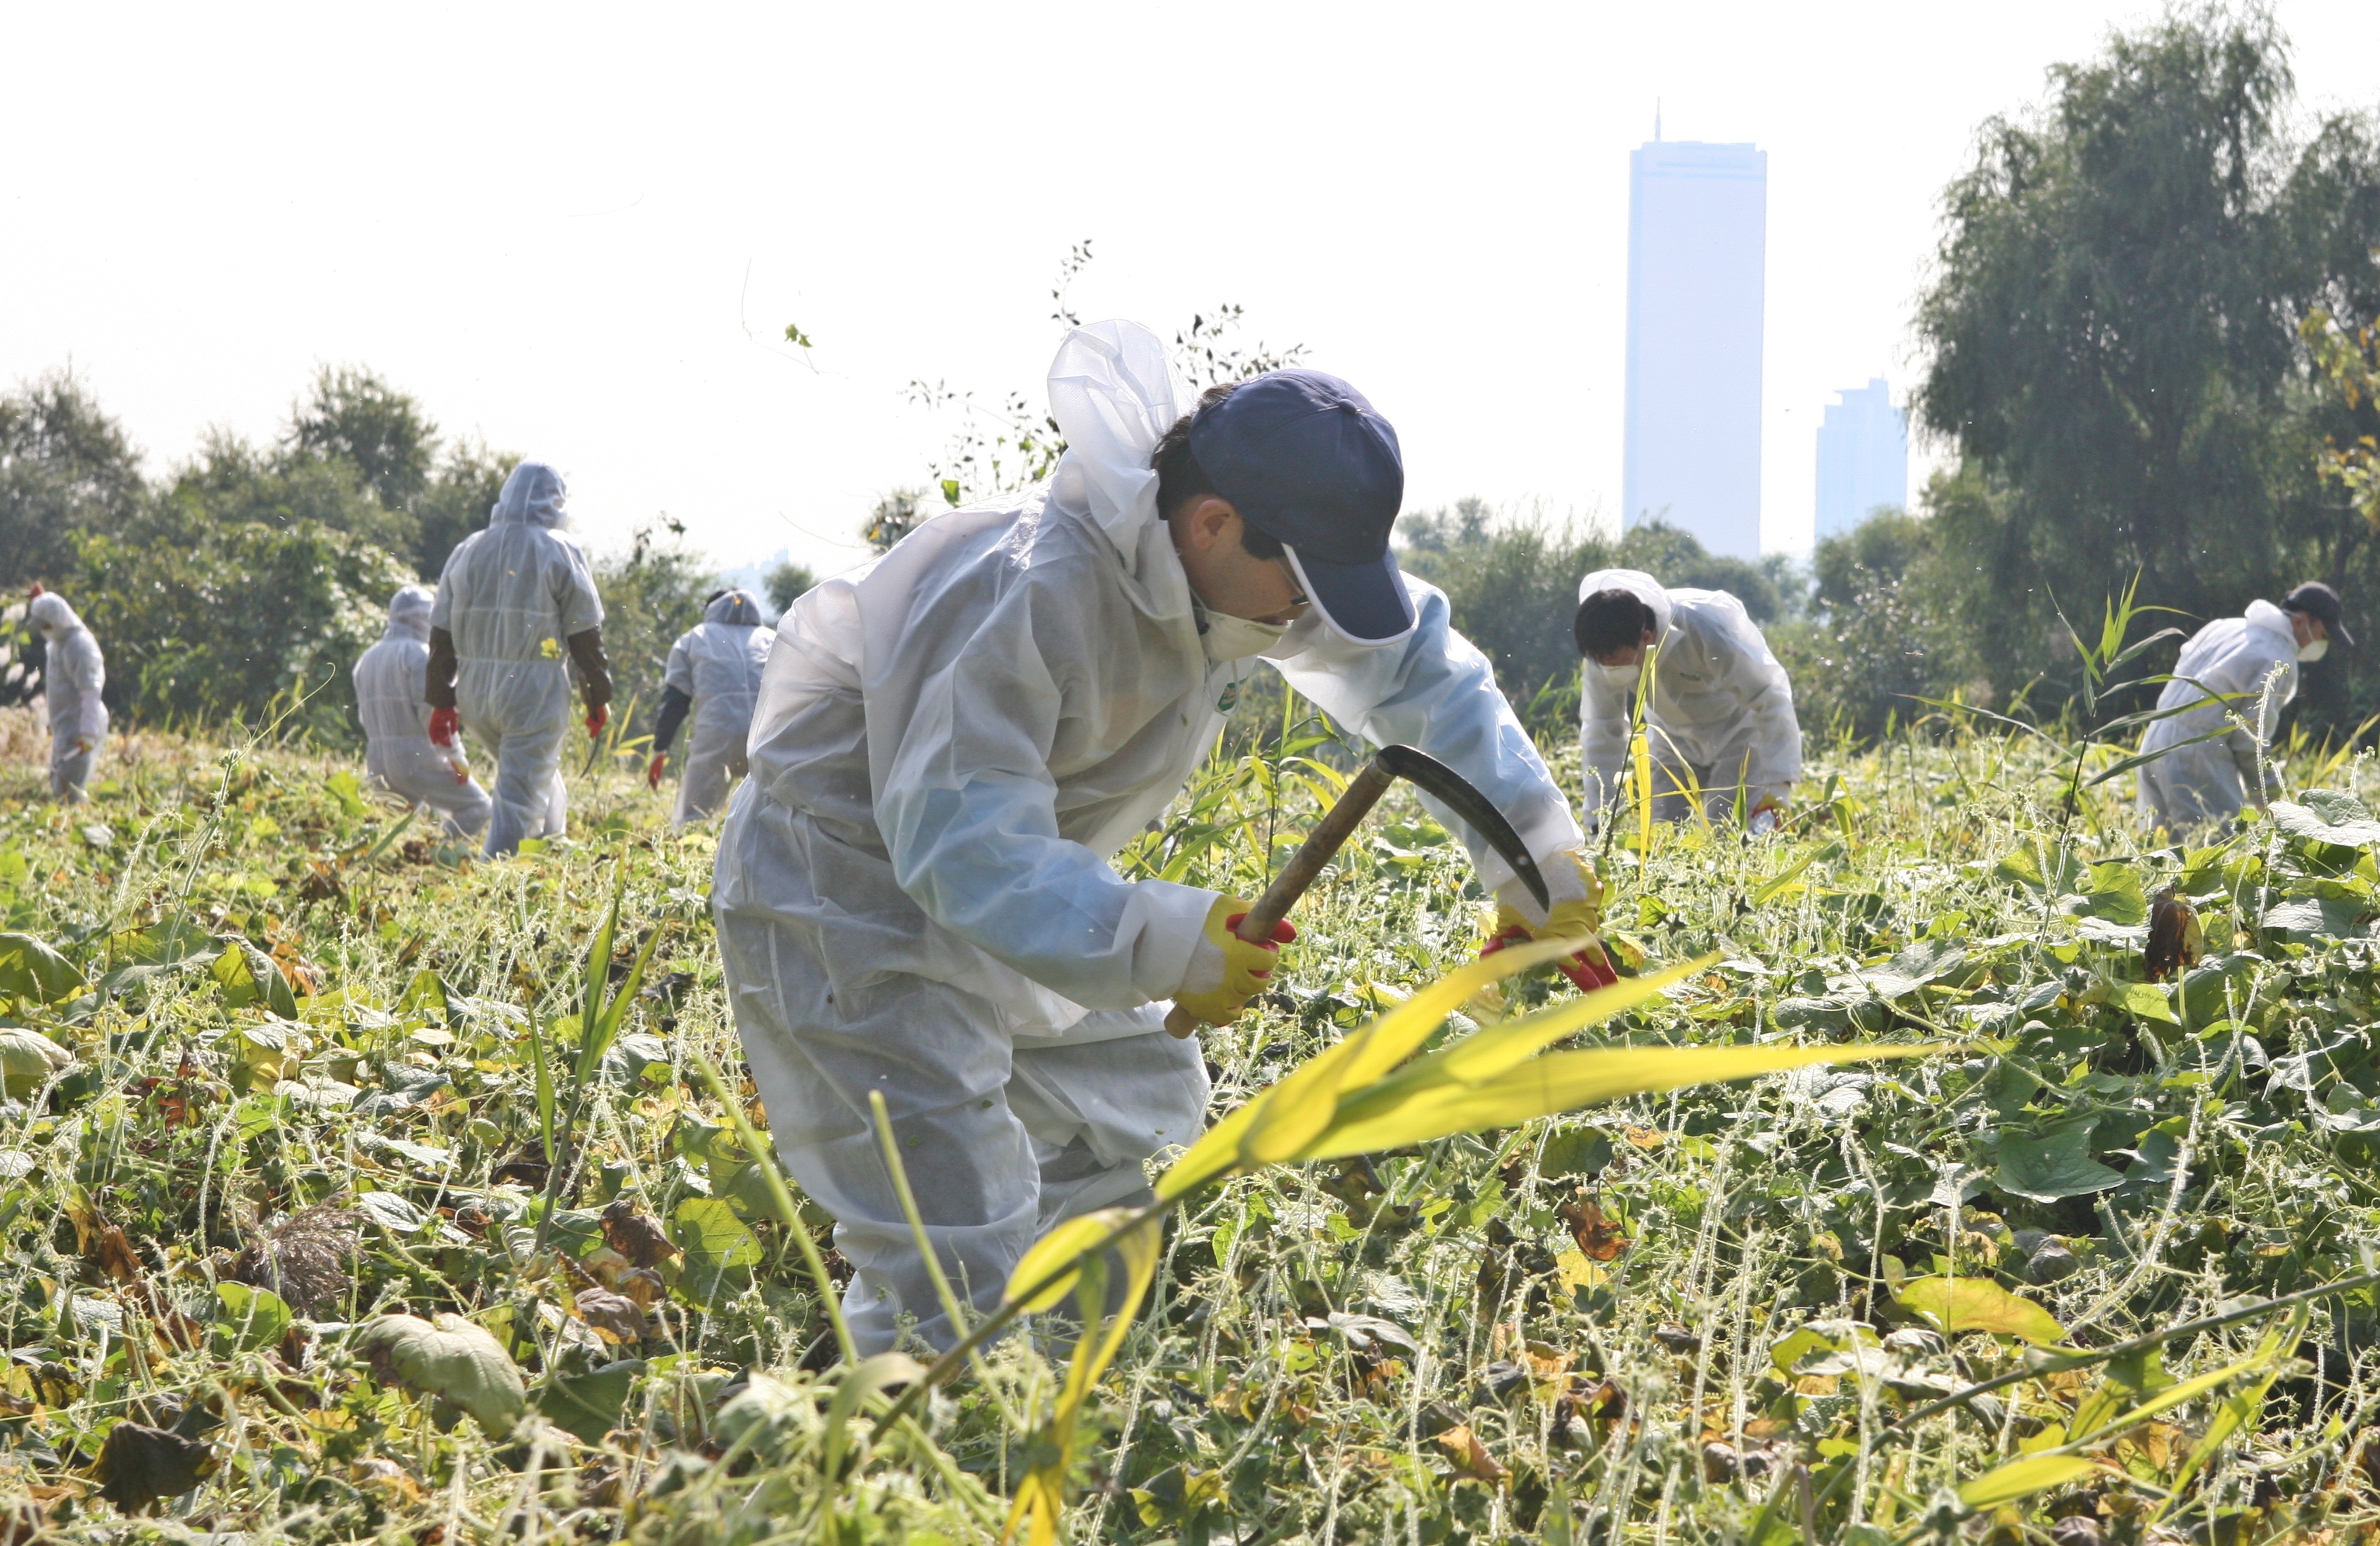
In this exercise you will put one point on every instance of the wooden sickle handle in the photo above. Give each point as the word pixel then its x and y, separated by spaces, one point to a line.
pixel 1321 846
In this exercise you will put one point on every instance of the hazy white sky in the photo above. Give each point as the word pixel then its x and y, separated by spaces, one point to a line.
pixel 580 231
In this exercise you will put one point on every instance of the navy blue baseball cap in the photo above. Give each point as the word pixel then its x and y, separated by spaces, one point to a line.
pixel 1307 461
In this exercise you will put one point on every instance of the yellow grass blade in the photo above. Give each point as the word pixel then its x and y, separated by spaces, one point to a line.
pixel 1062 1244
pixel 1488 1054
pixel 2020 1478
pixel 1562 1082
pixel 1283 1117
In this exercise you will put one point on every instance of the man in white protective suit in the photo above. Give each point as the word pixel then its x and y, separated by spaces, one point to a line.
pixel 391 680
pixel 2234 677
pixel 74 674
pixel 1720 719
pixel 516 608
pixel 913 889
pixel 713 671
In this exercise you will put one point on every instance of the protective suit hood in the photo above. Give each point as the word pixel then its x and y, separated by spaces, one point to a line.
pixel 50 613
pixel 1644 585
pixel 534 494
pixel 734 608
pixel 2268 618
pixel 1111 393
pixel 408 613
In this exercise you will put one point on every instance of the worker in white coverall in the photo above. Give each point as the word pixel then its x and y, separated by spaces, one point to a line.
pixel 391 679
pixel 2234 677
pixel 913 889
pixel 713 671
pixel 74 674
pixel 516 608
pixel 1720 719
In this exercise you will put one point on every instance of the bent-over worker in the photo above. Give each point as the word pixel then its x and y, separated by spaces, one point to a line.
pixel 391 678
pixel 913 889
pixel 715 670
pixel 516 608
pixel 73 676
pixel 2239 673
pixel 1720 718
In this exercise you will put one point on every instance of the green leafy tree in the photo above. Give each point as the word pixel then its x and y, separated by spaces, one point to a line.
pixel 897 514
pixel 1874 644
pixel 66 466
pixel 233 482
pixel 651 593
pixel 456 501
pixel 239 622
pixel 787 583
pixel 353 415
pixel 2113 343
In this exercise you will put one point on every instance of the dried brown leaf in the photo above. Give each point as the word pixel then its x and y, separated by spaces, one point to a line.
pixel 1470 1457
pixel 2175 940
pixel 615 1317
pixel 138 1465
pixel 635 1234
pixel 1598 1237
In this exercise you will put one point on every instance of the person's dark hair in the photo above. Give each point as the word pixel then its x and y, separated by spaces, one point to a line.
pixel 1608 620
pixel 1180 479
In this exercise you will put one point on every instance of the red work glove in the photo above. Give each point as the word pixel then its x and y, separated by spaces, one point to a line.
pixel 1587 969
pixel 653 770
pixel 597 717
pixel 1577 897
pixel 443 725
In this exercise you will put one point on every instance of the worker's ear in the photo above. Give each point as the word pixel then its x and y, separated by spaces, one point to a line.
pixel 1205 523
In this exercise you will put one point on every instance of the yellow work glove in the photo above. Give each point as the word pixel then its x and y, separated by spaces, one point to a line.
pixel 1226 971
pixel 1576 892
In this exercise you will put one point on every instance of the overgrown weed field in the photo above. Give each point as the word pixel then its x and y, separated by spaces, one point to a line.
pixel 306 1067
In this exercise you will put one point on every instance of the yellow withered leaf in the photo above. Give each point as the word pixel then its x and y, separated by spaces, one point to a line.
pixel 1955 1305
pixel 1564 1082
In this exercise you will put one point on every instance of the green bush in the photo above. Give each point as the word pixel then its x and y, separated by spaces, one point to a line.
pixel 651 594
pixel 235 623
pixel 1881 636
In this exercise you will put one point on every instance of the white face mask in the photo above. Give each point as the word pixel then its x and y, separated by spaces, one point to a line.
pixel 1621 678
pixel 2314 650
pixel 1233 639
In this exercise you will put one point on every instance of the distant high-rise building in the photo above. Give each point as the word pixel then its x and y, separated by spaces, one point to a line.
pixel 1862 458
pixel 1697 238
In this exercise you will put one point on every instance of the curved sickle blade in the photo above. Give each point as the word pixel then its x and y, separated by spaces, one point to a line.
pixel 1456 793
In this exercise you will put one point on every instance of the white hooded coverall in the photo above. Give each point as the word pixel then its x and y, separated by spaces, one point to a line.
pixel 913 888
pixel 398 752
pixel 74 674
pixel 717 663
pixel 1722 710
pixel 512 596
pixel 2208 779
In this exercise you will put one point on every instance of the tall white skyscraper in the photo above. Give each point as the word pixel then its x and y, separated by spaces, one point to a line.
pixel 1862 458
pixel 1697 241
